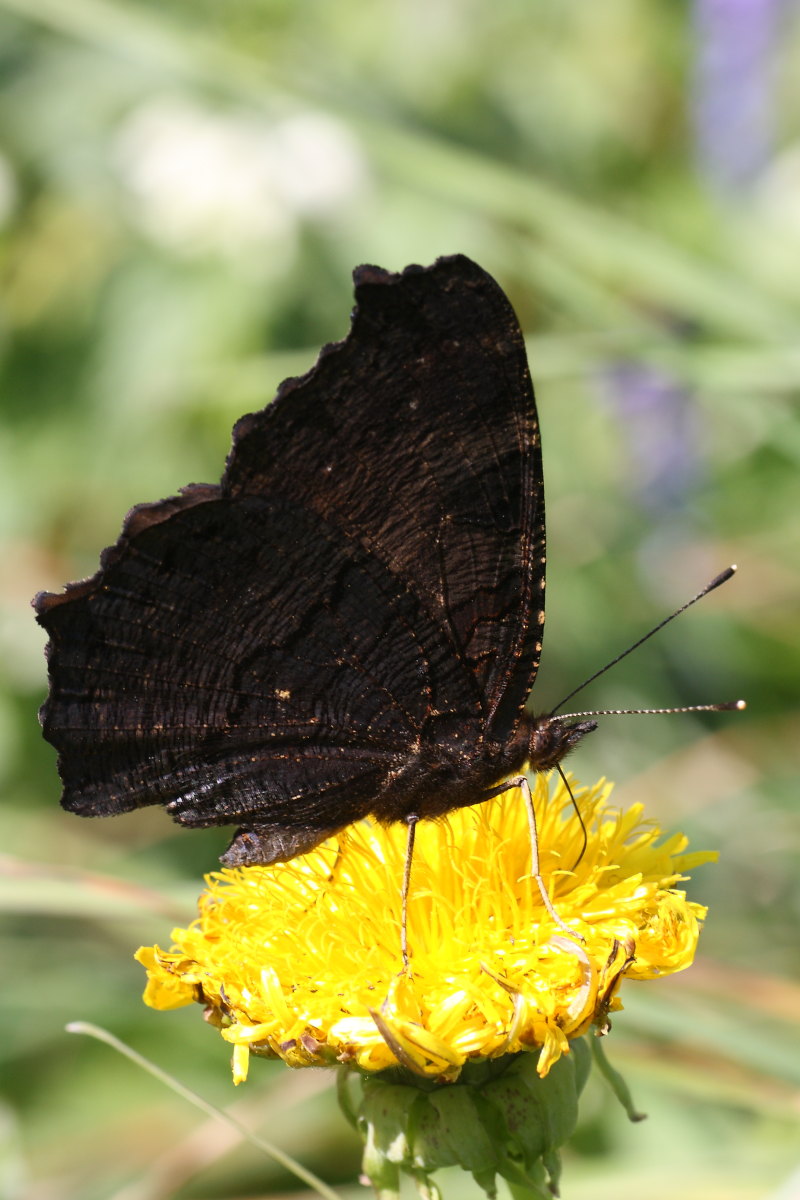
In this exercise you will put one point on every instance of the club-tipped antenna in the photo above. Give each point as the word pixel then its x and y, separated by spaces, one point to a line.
pixel 727 706
pixel 716 582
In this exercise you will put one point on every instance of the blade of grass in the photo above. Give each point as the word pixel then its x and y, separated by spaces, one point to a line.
pixel 626 258
pixel 729 1028
pixel 70 892
pixel 285 1160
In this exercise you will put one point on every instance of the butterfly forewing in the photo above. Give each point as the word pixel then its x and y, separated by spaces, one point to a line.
pixel 418 436
pixel 271 650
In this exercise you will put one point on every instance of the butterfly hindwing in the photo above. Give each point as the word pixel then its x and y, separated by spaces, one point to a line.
pixel 240 660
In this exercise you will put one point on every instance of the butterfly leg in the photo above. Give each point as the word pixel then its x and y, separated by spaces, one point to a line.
pixel 411 825
pixel 521 782
pixel 337 862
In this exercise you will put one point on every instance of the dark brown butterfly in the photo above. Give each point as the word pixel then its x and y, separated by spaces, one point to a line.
pixel 351 622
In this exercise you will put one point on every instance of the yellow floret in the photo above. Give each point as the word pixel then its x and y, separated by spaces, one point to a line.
pixel 301 960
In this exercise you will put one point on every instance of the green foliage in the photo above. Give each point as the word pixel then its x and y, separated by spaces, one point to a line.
pixel 184 190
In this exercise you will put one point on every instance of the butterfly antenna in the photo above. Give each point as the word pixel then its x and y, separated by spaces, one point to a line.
pixel 716 582
pixel 727 706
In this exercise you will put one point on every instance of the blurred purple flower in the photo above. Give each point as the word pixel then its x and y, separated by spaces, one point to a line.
pixel 734 123
pixel 657 416
pixel 733 115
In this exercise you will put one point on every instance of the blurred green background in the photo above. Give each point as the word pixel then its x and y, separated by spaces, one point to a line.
pixel 184 190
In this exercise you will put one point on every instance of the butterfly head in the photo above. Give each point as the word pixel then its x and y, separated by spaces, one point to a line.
pixel 550 739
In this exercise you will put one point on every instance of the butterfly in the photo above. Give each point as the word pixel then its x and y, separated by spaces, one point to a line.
pixel 350 622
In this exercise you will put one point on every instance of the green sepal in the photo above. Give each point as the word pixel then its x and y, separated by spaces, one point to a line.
pixel 581 1054
pixel 382 1120
pixel 500 1117
pixel 462 1123
pixel 428 1145
pixel 616 1081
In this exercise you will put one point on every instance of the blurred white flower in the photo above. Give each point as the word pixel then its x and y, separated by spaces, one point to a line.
pixel 209 181
pixel 318 166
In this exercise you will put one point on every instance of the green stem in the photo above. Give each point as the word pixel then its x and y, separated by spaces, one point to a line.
pixel 285 1160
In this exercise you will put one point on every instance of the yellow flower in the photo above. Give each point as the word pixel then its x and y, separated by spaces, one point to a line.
pixel 301 960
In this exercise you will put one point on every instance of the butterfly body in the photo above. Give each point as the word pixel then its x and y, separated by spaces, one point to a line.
pixel 441 775
pixel 350 622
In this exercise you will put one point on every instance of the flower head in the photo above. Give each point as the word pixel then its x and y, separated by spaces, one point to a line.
pixel 301 960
